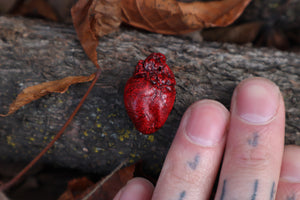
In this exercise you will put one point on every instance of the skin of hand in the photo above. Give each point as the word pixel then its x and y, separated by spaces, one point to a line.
pixel 246 145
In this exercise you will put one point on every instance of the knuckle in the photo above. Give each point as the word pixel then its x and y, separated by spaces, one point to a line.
pixel 183 177
pixel 257 158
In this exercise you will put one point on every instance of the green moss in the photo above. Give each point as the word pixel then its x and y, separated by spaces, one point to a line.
pixel 111 115
pixel 150 138
pixel 124 134
pixel 273 5
pixel 10 141
pixel 111 144
pixel 96 150
pixel 85 133
pixel 133 155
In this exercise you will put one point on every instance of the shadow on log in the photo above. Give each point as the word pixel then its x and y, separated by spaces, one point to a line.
pixel 102 135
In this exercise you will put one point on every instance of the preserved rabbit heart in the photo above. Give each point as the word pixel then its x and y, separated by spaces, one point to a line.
pixel 150 93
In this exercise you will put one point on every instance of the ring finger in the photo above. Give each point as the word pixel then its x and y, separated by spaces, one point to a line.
pixel 193 160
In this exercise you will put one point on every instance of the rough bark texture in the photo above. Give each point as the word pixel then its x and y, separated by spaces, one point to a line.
pixel 102 135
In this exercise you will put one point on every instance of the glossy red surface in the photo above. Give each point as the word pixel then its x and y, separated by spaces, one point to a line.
pixel 150 93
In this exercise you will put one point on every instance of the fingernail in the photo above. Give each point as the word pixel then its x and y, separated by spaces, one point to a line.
pixel 290 170
pixel 256 100
pixel 133 191
pixel 205 122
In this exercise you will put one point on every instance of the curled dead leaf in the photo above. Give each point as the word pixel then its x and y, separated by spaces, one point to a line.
pixel 81 20
pixel 108 187
pixel 36 7
pixel 240 34
pixel 174 17
pixel 93 19
pixel 75 188
pixel 96 18
pixel 105 189
pixel 37 91
pixel 106 16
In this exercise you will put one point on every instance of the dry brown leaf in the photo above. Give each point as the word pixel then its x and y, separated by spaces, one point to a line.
pixel 174 17
pixel 37 91
pixel 107 188
pixel 106 16
pixel 36 7
pixel 111 187
pixel 93 19
pixel 81 21
pixel 240 34
pixel 75 188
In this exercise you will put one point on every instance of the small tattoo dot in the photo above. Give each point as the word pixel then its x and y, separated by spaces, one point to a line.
pixel 193 165
pixel 254 140
pixel 223 190
pixel 255 190
pixel 292 197
pixel 273 191
pixel 182 195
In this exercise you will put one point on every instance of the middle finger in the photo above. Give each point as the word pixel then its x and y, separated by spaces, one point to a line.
pixel 255 142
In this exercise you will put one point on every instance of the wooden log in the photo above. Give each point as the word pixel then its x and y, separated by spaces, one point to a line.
pixel 102 135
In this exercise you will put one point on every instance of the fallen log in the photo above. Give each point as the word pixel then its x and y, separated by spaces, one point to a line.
pixel 102 135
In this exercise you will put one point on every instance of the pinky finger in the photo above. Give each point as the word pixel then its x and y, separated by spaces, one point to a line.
pixel 289 183
pixel 136 189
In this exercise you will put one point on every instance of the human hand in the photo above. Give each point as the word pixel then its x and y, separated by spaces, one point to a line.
pixel 249 139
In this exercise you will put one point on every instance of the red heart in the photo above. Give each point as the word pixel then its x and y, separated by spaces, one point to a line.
pixel 150 93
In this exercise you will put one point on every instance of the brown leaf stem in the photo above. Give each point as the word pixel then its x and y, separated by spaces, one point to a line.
pixel 13 181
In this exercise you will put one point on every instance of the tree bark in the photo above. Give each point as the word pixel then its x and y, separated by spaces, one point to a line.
pixel 102 135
